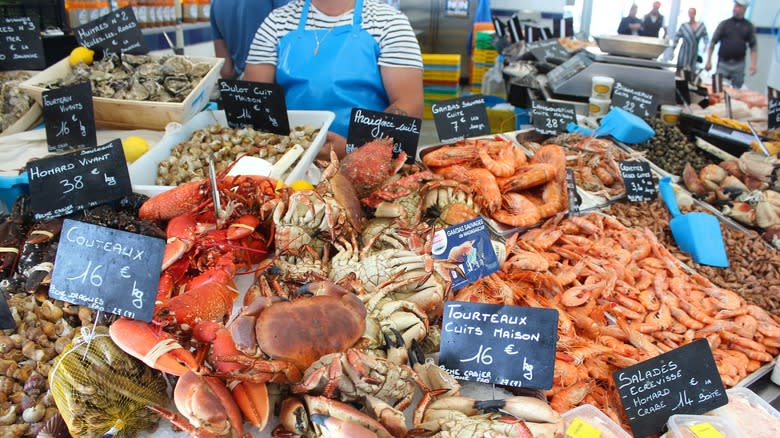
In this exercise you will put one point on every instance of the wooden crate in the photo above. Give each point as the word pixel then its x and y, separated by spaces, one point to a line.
pixel 27 121
pixel 134 114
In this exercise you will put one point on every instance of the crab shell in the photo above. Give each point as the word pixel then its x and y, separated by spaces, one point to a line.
pixel 207 404
pixel 371 164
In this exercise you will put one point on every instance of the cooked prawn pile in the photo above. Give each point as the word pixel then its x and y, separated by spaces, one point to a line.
pixel 622 298
pixel 510 188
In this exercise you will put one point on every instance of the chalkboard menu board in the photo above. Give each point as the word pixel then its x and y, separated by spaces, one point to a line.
pixel 469 244
pixel 459 118
pixel 108 270
pixel 773 121
pixel 551 118
pixel 637 102
pixel 571 192
pixel 116 32
pixel 63 184
pixel 366 125
pixel 638 180
pixel 69 117
pixel 20 44
pixel 682 381
pixel 6 319
pixel 261 105
pixel 551 48
pixel 505 345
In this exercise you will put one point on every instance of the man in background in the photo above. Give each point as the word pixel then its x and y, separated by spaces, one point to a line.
pixel 735 36
pixel 234 24
pixel 653 22
pixel 630 25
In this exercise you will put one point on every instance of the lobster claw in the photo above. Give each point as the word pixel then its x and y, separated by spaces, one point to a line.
pixel 154 347
pixel 242 227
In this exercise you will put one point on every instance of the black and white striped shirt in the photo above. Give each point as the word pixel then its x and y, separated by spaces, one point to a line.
pixel 389 27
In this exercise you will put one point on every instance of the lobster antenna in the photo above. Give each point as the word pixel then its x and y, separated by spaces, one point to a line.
pixel 214 191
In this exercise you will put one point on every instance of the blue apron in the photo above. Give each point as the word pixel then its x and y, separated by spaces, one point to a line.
pixel 342 74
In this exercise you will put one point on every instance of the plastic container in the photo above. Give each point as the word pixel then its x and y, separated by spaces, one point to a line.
pixel 598 106
pixel 670 114
pixel 581 422
pixel 750 415
pixel 189 11
pixel 700 426
pixel 601 86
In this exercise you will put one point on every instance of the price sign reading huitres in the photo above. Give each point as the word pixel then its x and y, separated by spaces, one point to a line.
pixel 117 32
pixel 551 118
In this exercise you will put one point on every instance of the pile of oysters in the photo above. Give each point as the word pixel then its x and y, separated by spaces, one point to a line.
pixel 13 102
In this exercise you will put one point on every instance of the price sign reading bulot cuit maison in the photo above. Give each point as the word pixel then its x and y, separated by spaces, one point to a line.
pixel 63 184
pixel 108 270
pixel 682 381
pixel 117 32
pixel 366 125
pixel 69 117
pixel 261 105
pixel 637 102
pixel 551 118
pixel 505 345
pixel 20 44
pixel 638 180
pixel 459 118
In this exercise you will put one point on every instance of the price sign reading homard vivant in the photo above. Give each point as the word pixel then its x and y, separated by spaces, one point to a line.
pixel 6 318
pixel 505 345
pixel 63 184
pixel 459 118
pixel 551 48
pixel 773 115
pixel 635 101
pixel 682 381
pixel 638 180
pixel 551 118
pixel 258 104
pixel 366 125
pixel 69 118
pixel 469 245
pixel 116 32
pixel 20 44
pixel 108 270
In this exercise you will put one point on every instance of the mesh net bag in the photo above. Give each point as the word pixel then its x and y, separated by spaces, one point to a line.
pixel 100 389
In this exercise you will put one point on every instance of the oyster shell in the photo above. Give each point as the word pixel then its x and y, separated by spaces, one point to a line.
pixel 199 70
pixel 176 65
pixel 13 102
pixel 177 85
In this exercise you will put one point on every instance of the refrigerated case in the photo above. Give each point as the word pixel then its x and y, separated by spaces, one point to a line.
pixel 442 26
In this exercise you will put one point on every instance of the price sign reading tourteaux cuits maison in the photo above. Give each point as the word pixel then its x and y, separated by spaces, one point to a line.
pixel 117 32
pixel 366 125
pixel 63 184
pixel 638 180
pixel 261 105
pixel 20 44
pixel 505 345
pixel 773 120
pixel 633 100
pixel 551 118
pixel 69 118
pixel 682 381
pixel 459 118
pixel 108 270
pixel 469 245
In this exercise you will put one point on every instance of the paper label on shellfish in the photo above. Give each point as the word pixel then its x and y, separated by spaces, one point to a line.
pixel 467 244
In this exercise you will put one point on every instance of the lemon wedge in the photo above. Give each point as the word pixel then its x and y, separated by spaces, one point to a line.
pixel 301 185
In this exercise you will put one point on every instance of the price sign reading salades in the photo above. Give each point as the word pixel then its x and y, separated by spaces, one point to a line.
pixel 469 244
pixel 638 180
pixel 773 120
pixel 108 270
pixel 551 48
pixel 366 125
pixel 69 118
pixel 20 44
pixel 63 184
pixel 551 118
pixel 116 32
pixel 505 345
pixel 459 118
pixel 682 381
pixel 261 105
pixel 637 102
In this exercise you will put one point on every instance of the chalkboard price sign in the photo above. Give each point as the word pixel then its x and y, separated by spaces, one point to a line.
pixel 551 48
pixel 682 381
pixel 6 319
pixel 108 270
pixel 63 184
pixel 505 345
pixel 571 192
pixel 469 244
pixel 20 44
pixel 637 102
pixel 638 180
pixel 459 118
pixel 773 121
pixel 117 32
pixel 261 105
pixel 69 118
pixel 551 118
pixel 366 125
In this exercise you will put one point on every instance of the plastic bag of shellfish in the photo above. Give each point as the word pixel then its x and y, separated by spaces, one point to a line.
pixel 98 388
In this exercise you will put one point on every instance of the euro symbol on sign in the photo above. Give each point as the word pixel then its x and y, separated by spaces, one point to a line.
pixel 123 272
pixel 694 382
pixel 12 47
pixel 510 350
pixel 95 171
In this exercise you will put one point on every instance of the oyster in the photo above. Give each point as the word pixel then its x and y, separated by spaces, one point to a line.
pixel 136 60
pixel 177 85
pixel 199 70
pixel 13 102
pixel 176 65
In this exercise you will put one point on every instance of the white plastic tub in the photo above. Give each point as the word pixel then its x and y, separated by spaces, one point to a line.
pixel 751 415
pixel 694 426
pixel 583 419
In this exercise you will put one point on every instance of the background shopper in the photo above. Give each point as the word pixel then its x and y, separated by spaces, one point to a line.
pixel 691 34
pixel 735 35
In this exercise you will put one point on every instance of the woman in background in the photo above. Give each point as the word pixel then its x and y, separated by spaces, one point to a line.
pixel 691 34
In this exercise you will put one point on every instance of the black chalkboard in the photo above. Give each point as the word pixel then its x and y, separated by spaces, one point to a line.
pixel 116 32
pixel 63 184
pixel 366 125
pixel 69 117
pixel 682 381
pixel 459 118
pixel 773 115
pixel 109 270
pixel 551 118
pixel 638 180
pixel 635 101
pixel 6 319
pixel 21 47
pixel 258 104
pixel 571 192
pixel 505 345
pixel 551 48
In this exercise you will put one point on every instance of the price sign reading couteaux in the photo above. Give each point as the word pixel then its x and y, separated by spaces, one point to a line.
pixel 116 32
pixel 460 118
pixel 635 101
pixel 366 125
pixel 551 118
pixel 21 47
pixel 258 104
pixel 638 180
pixel 69 117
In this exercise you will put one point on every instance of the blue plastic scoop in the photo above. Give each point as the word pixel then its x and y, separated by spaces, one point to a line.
pixel 620 124
pixel 696 233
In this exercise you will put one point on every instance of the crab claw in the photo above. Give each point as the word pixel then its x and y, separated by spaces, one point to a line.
pixel 339 428
pixel 208 405
pixel 396 351
pixel 525 408
pixel 252 399
pixel 242 227
pixel 154 347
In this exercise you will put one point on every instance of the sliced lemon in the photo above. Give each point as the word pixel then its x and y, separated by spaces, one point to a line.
pixel 81 54
pixel 134 146
pixel 301 185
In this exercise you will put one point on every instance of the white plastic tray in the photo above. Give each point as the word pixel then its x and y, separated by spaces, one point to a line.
pixel 678 424
pixel 595 418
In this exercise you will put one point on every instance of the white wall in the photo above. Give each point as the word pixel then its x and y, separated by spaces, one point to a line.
pixel 766 13
pixel 553 6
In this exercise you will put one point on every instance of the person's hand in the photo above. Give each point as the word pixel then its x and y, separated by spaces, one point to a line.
pixel 333 142
pixel 752 69
pixel 708 65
